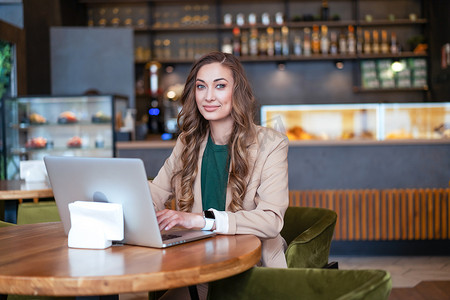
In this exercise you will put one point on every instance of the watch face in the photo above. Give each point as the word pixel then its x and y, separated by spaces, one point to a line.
pixel 209 214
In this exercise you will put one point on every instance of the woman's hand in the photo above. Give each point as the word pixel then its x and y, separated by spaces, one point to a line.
pixel 168 218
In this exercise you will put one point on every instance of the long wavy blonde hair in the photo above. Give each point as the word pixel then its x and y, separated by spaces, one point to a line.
pixel 194 128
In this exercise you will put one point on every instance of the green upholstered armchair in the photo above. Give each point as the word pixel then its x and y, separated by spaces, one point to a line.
pixel 5 224
pixel 308 232
pixel 295 283
pixel 43 211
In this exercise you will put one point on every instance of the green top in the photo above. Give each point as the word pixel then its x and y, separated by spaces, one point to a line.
pixel 214 176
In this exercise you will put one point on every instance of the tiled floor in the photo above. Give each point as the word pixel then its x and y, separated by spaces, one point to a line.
pixel 406 271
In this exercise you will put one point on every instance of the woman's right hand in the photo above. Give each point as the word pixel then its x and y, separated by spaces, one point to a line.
pixel 168 219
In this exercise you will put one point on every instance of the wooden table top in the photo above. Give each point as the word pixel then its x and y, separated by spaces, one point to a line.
pixel 20 189
pixel 35 260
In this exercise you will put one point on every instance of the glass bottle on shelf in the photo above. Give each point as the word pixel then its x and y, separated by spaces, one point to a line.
pixel 367 44
pixel 263 44
pixel 324 11
pixel 244 43
pixel 128 19
pixel 277 43
pixel 236 41
pixel 102 20
pixel 375 42
pixel 351 43
pixel 166 47
pixel 265 19
pixel 384 42
pixel 315 40
pixel 285 40
pixel 158 49
pixel 115 21
pixel 307 41
pixel 394 46
pixel 324 41
pixel 342 43
pixel 253 43
pixel 333 43
pixel 226 45
pixel 90 21
pixel 270 42
pixel 359 41
pixel 297 45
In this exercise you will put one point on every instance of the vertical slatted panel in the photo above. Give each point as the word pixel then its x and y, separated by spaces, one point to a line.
pixel 430 202
pixel 395 214
pixel 371 212
pixel 390 209
pixel 397 211
pixel 445 214
pixel 351 214
pixel 416 214
pixel 364 199
pixel 423 209
pixel 436 210
pixel 410 214
pixel 344 214
pixel 340 220
pixel 384 215
pixel 404 227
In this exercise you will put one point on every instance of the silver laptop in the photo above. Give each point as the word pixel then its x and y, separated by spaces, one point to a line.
pixel 113 180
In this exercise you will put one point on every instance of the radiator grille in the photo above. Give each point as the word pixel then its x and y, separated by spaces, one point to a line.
pixel 392 214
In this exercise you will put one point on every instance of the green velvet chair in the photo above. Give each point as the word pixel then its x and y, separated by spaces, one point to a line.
pixel 43 211
pixel 308 232
pixel 295 283
pixel 5 224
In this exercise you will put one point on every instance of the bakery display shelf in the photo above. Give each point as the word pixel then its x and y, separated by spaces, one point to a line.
pixel 26 126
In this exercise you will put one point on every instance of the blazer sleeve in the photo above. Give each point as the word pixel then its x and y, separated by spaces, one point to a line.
pixel 160 187
pixel 269 192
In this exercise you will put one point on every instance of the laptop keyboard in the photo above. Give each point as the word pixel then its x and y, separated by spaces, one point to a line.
pixel 169 236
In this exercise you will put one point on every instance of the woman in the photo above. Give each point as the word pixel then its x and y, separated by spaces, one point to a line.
pixel 223 162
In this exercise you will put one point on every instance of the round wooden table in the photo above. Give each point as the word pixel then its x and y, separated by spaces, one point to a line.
pixel 35 260
pixel 20 189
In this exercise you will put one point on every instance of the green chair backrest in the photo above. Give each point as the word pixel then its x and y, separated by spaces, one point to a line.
pixel 317 284
pixel 5 224
pixel 43 211
pixel 308 232
pixel 298 220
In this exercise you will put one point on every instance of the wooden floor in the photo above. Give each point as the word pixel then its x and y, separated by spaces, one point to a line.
pixel 425 290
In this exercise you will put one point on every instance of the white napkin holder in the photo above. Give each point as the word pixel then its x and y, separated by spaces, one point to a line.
pixel 94 225
pixel 33 171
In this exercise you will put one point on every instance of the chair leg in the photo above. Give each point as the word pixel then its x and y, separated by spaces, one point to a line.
pixel 193 292
pixel 332 265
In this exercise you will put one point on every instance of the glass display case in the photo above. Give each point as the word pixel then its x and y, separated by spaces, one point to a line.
pixel 323 122
pixel 415 121
pixel 68 125
pixel 371 121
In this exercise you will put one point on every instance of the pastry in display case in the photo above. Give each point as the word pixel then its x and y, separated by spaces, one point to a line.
pixel 369 121
pixel 68 125
pixel 323 122
pixel 415 121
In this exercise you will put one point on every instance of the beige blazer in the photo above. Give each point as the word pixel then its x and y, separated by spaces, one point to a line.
pixel 265 202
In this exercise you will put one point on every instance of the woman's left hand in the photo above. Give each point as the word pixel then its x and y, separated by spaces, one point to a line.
pixel 168 219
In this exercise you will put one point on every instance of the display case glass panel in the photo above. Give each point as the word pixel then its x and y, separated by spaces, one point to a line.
pixel 382 121
pixel 67 126
pixel 415 121
pixel 323 122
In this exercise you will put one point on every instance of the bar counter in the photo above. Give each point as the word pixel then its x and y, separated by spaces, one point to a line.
pixel 339 164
